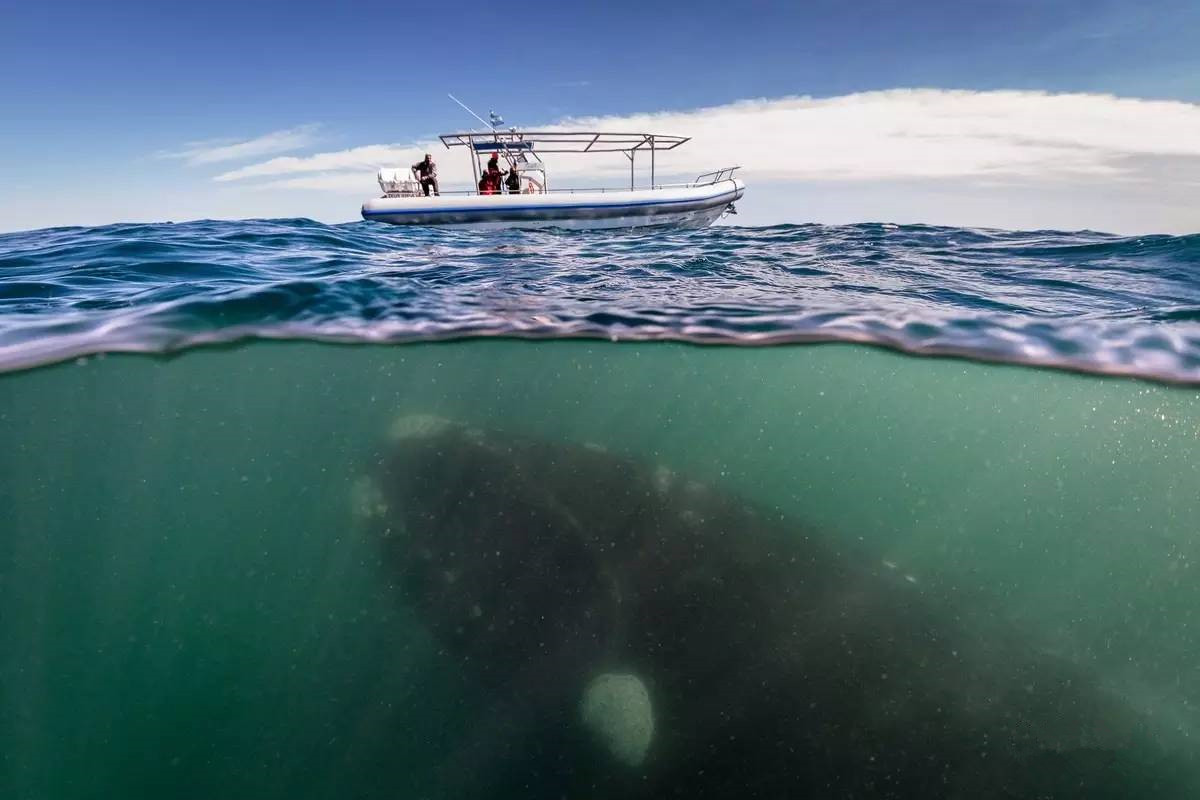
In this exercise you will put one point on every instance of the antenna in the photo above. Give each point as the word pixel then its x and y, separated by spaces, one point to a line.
pixel 472 113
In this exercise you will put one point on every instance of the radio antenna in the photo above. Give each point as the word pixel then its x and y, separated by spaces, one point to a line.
pixel 472 113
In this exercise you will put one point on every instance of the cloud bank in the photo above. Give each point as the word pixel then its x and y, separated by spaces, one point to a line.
pixel 898 134
pixel 217 150
pixel 367 157
pixel 933 133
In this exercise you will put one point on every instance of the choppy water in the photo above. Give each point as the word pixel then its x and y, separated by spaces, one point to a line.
pixel 1082 300
pixel 197 600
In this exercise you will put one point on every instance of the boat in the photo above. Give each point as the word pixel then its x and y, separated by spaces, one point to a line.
pixel 695 204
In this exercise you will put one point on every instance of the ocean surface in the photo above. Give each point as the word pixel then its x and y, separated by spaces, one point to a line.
pixel 977 451
pixel 1083 300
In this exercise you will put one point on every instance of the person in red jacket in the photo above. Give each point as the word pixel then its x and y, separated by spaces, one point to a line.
pixel 494 173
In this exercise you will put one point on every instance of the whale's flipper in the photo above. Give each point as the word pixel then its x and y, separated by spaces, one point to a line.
pixel 616 709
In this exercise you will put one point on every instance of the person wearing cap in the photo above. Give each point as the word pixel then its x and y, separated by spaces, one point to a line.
pixel 426 172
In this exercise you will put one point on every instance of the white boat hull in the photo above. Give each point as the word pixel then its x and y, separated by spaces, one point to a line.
pixel 689 207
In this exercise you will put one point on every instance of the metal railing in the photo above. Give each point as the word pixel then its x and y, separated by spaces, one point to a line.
pixel 704 179
pixel 717 176
pixel 577 190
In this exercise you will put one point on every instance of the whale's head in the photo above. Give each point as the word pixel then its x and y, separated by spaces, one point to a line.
pixel 498 570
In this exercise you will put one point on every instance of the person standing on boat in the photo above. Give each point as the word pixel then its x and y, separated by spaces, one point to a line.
pixel 492 175
pixel 426 172
pixel 513 182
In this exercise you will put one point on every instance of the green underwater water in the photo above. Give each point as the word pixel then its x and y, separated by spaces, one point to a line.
pixel 189 609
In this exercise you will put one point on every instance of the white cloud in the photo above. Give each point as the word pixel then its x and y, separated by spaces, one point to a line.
pixel 358 182
pixel 898 134
pixel 928 133
pixel 216 150
pixel 366 158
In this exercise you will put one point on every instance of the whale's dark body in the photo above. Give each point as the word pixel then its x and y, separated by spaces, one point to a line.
pixel 778 665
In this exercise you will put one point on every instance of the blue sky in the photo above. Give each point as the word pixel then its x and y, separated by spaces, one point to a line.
pixel 99 92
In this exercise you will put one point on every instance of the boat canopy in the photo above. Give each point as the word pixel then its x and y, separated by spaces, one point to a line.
pixel 521 147
pixel 562 141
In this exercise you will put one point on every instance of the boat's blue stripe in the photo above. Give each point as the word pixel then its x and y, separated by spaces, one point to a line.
pixel 507 209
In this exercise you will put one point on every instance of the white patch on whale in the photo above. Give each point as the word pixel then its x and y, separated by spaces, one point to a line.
pixel 616 709
pixel 416 426
pixel 366 499
pixel 663 478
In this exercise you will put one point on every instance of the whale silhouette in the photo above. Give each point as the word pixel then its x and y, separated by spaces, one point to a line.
pixel 589 596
